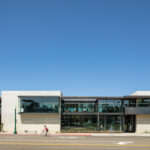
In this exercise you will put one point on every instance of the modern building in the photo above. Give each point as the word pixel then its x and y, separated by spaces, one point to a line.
pixel 0 115
pixel 74 114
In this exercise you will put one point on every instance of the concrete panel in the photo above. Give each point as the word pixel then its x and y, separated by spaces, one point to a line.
pixel 141 93
pixel 30 122
pixel 143 123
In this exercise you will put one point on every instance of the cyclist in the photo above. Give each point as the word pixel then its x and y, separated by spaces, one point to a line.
pixel 46 130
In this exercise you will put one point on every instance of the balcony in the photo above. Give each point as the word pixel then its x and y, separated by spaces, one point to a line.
pixel 137 110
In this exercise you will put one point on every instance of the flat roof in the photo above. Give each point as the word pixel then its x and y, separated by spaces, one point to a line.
pixel 104 97
pixel 90 97
pixel 136 96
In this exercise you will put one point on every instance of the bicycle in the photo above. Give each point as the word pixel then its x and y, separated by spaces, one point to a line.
pixel 44 133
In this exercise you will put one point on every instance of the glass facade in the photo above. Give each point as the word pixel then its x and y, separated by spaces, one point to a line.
pixel 79 123
pixel 110 106
pixel 110 123
pixel 129 124
pixel 39 104
pixel 79 107
pixel 103 115
pixel 143 102
pixel 130 103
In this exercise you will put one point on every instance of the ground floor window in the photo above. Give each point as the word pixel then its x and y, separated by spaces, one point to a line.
pixel 98 123
pixel 110 123
pixel 77 123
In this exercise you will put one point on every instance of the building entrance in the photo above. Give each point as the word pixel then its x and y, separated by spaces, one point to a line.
pixel 129 123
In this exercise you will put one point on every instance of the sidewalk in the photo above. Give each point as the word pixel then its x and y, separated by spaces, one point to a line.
pixel 83 134
pixel 103 134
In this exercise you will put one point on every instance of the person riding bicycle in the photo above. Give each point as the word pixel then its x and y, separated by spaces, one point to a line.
pixel 46 130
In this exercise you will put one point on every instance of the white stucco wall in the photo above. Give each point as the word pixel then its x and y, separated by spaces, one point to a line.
pixel 141 93
pixel 142 123
pixel 30 122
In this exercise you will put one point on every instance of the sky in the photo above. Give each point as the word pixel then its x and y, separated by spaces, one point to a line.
pixel 80 47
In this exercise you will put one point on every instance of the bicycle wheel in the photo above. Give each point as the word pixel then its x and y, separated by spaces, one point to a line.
pixel 42 133
pixel 49 134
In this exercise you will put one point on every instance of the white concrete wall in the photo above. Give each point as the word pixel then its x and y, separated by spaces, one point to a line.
pixel 30 122
pixel 141 93
pixel 143 123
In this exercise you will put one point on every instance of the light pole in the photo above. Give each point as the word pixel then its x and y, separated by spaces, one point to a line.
pixel 15 130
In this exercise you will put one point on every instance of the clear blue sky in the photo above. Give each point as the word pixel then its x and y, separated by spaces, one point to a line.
pixel 81 47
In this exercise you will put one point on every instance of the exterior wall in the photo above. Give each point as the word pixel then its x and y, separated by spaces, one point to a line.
pixel 142 123
pixel 29 122
pixel 35 122
pixel 141 93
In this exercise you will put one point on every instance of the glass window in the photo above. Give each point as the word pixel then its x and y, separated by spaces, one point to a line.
pixel 102 123
pixel 39 104
pixel 79 107
pixel 110 103
pixel 126 103
pixel 118 103
pixel 110 106
pixel 102 103
pixel 110 123
pixel 144 102
pixel 130 103
pixel 129 123
pixel 79 122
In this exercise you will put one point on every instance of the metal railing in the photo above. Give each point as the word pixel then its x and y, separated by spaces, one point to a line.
pixel 137 110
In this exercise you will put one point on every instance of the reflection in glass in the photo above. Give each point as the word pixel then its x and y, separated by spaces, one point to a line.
pixel 79 107
pixel 144 102
pixel 39 104
pixel 129 125
pixel 110 122
pixel 110 106
pixel 79 122
pixel 130 103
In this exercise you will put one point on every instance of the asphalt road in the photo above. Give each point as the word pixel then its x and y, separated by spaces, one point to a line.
pixel 28 142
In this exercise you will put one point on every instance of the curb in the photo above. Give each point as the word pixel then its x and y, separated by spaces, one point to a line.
pixel 52 134
pixel 93 134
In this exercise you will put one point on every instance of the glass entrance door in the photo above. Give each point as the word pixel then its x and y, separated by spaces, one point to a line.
pixel 129 123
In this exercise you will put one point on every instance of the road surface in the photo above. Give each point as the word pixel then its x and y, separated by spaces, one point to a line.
pixel 37 142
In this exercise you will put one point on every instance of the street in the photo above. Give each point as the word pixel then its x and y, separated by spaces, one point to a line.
pixel 37 142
